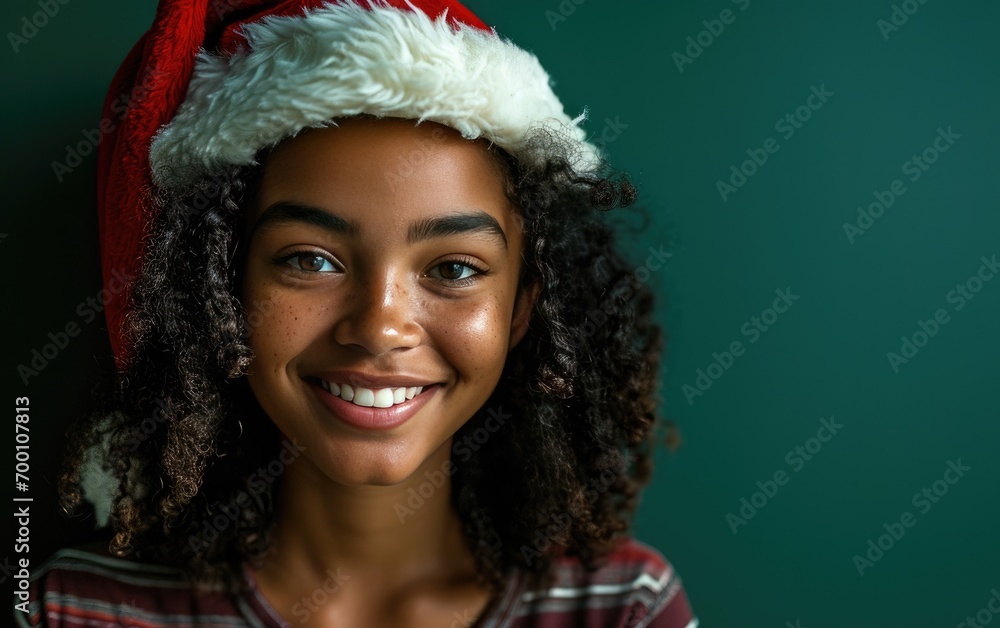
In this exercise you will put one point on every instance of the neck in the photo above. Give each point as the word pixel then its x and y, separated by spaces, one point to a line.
pixel 395 534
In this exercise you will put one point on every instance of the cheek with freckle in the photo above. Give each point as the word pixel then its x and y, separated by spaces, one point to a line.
pixel 277 326
pixel 463 332
pixel 489 328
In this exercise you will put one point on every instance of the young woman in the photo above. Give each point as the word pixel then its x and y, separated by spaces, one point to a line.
pixel 381 365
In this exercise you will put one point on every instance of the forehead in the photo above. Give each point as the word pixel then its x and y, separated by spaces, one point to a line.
pixel 370 162
pixel 388 182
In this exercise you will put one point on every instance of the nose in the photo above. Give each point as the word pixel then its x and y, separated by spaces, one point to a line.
pixel 378 315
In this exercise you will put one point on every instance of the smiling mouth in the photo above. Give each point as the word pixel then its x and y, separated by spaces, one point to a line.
pixel 370 397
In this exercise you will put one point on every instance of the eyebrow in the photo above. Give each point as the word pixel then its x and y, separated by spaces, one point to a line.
pixel 470 223
pixel 283 213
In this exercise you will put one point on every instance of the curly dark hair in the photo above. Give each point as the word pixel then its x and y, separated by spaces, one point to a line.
pixel 182 432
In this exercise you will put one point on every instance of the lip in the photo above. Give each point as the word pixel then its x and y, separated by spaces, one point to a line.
pixel 366 380
pixel 372 418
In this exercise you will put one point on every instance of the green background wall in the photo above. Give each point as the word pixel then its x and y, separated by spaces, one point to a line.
pixel 678 133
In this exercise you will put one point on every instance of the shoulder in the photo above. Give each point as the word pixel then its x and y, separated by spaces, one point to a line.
pixel 635 586
pixel 84 586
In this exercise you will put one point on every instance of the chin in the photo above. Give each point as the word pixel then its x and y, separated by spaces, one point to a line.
pixel 384 464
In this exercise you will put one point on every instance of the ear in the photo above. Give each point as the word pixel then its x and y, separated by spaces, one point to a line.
pixel 523 305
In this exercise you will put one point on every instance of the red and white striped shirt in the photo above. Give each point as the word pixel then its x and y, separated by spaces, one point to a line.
pixel 636 587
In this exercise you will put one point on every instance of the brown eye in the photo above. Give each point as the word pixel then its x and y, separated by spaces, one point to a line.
pixel 310 262
pixel 452 270
pixel 457 272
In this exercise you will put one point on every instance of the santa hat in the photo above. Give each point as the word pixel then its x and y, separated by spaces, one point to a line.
pixel 213 82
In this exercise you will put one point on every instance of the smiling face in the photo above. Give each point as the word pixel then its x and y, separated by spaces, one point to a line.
pixel 382 255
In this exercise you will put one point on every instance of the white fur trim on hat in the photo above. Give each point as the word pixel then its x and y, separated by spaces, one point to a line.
pixel 342 60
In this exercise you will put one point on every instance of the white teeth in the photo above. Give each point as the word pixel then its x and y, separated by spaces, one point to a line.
pixel 383 398
pixel 364 397
pixel 368 397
